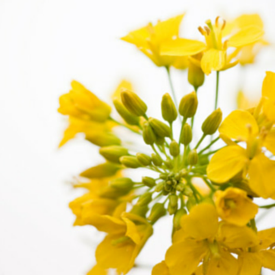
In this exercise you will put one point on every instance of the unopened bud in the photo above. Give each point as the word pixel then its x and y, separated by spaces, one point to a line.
pixel 191 203
pixel 168 108
pixel 186 134
pixel 160 128
pixel 174 148
pixel 193 157
pixel 156 159
pixel 169 163
pixel 159 186
pixel 180 187
pixel 172 210
pixel 159 140
pixel 125 114
pixel 130 161
pixel 148 134
pixel 100 171
pixel 143 159
pixel 133 103
pixel 177 218
pixel 113 153
pixel 188 105
pixel 122 183
pixel 212 122
pixel 195 75
pixel 103 139
pixel 144 199
pixel 173 200
pixel 188 191
pixel 158 211
pixel 140 210
pixel 148 181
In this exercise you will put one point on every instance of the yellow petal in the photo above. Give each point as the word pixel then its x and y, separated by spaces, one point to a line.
pixel 132 231
pixel 262 173
pixel 97 270
pixel 226 163
pixel 269 141
pixel 122 85
pixel 201 223
pixel 182 47
pixel 249 20
pixel 268 88
pixel 161 269
pixel 238 124
pixel 184 257
pixel 234 237
pixel 250 264
pixel 213 60
pixel 138 37
pixel 268 258
pixel 246 36
pixel 267 237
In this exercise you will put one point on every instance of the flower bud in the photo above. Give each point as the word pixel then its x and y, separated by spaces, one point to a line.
pixel 188 191
pixel 174 148
pixel 140 210
pixel 195 75
pixel 212 122
pixel 122 183
pixel 159 140
pixel 158 211
pixel 133 103
pixel 130 161
pixel 191 203
pixel 148 181
pixel 168 108
pixel 173 200
pixel 180 187
pixel 113 153
pixel 103 139
pixel 186 134
pixel 144 199
pixel 127 116
pixel 169 163
pixel 188 105
pixel 193 157
pixel 100 171
pixel 177 217
pixel 143 159
pixel 172 210
pixel 148 134
pixel 160 128
pixel 156 159
pixel 159 186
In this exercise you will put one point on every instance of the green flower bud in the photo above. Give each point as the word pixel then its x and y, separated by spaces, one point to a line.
pixel 127 116
pixel 180 187
pixel 160 128
pixel 186 134
pixel 159 140
pixel 188 105
pixel 156 159
pixel 195 75
pixel 193 157
pixel 174 148
pixel 143 159
pixel 173 200
pixel 159 186
pixel 168 108
pixel 148 134
pixel 113 153
pixel 188 191
pixel 140 210
pixel 122 183
pixel 169 163
pixel 110 192
pixel 191 203
pixel 212 122
pixel 101 171
pixel 158 211
pixel 177 218
pixel 103 139
pixel 130 161
pixel 148 181
pixel 133 103
pixel 171 210
pixel 144 199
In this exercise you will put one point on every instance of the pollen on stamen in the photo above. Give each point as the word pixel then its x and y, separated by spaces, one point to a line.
pixel 201 30
pixel 207 30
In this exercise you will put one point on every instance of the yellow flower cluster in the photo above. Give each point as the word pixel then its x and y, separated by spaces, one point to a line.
pixel 211 191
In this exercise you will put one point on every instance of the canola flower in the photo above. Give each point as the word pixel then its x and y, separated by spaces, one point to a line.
pixel 214 230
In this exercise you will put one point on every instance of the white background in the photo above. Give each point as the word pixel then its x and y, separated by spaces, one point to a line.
pixel 43 46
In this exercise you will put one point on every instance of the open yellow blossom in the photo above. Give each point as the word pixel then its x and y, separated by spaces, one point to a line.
pixel 215 55
pixel 126 236
pixel 262 255
pixel 150 39
pixel 83 104
pixel 204 239
pixel 234 206
pixel 268 94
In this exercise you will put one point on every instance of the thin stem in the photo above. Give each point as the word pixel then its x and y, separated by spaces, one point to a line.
pixel 209 184
pixel 208 146
pixel 200 141
pixel 217 89
pixel 171 85
pixel 121 124
pixel 193 118
pixel 267 206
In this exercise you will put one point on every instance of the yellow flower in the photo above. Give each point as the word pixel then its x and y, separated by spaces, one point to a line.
pixel 204 239
pixel 126 236
pixel 245 103
pixel 262 255
pixel 83 104
pixel 234 206
pixel 268 94
pixel 97 270
pixel 215 56
pixel 149 40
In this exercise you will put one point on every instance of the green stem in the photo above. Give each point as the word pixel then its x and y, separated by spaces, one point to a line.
pixel 267 206
pixel 217 89
pixel 193 118
pixel 253 225
pixel 200 141
pixel 208 146
pixel 121 124
pixel 209 184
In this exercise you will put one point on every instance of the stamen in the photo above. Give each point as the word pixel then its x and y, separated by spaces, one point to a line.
pixel 217 21
pixel 223 25
pixel 207 30
pixel 201 30
pixel 225 44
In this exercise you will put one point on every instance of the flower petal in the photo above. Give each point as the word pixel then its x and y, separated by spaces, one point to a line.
pixel 161 269
pixel 213 60
pixel 268 258
pixel 268 88
pixel 269 141
pixel 226 163
pixel 267 237
pixel 235 125
pixel 250 264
